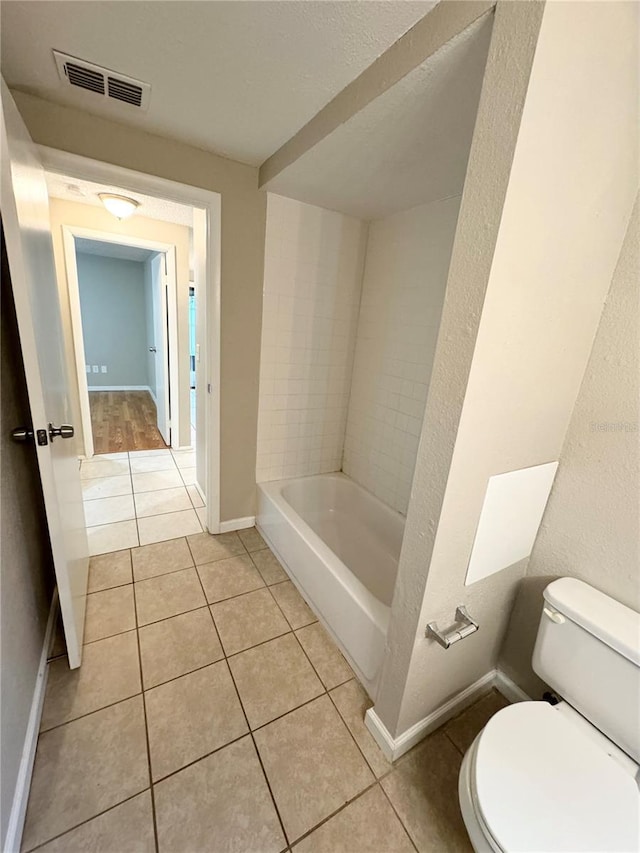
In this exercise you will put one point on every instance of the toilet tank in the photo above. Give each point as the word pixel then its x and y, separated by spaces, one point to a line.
pixel 588 651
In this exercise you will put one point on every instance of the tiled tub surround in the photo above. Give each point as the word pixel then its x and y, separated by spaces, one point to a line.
pixel 312 280
pixel 341 546
pixel 213 713
pixel 407 263
pixel 140 497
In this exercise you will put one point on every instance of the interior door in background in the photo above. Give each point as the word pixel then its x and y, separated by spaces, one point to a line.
pixel 25 216
pixel 161 343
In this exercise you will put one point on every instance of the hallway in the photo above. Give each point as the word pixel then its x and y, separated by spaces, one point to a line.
pixel 123 421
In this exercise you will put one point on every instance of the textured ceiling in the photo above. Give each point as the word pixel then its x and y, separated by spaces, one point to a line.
pixel 86 192
pixel 407 147
pixel 238 78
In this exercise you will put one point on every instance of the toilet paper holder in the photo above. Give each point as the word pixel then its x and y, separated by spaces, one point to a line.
pixel 463 627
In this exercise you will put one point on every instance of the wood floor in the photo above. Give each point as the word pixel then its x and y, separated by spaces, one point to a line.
pixel 124 420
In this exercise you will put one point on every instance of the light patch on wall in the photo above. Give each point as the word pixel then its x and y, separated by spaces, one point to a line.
pixel 513 507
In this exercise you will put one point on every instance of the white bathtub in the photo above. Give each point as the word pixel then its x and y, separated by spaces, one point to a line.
pixel 340 545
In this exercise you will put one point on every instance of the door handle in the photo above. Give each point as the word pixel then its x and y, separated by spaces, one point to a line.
pixel 24 434
pixel 152 349
pixel 63 431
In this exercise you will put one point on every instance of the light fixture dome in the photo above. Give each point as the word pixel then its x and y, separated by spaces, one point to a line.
pixel 119 205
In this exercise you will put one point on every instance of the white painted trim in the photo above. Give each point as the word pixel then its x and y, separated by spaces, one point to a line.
pixel 237 524
pixel 509 689
pixel 23 782
pixel 393 748
pixel 66 163
pixel 119 387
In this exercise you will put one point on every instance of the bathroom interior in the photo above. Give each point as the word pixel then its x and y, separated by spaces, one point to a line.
pixel 430 432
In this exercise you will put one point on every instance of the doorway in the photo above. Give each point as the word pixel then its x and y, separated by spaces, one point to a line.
pixel 126 341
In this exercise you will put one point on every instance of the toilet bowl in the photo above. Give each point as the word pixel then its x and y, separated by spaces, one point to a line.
pixel 545 778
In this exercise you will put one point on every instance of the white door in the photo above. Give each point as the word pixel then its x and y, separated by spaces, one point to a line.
pixel 159 279
pixel 25 217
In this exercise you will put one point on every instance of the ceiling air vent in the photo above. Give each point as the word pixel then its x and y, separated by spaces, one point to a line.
pixel 102 81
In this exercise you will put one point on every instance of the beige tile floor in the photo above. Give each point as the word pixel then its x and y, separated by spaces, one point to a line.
pixel 212 712
pixel 140 497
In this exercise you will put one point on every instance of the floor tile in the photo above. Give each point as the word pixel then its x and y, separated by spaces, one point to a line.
pixel 226 578
pixel 185 458
pixel 352 702
pixel 189 476
pixel 106 487
pixel 160 559
pixel 223 796
pixel 324 655
pixel 109 570
pixel 251 539
pixel 168 595
pixel 109 510
pixel 268 566
pixel 207 548
pixel 84 768
pixel 312 764
pixel 201 512
pixel 463 729
pixel 127 828
pixel 138 454
pixel 112 537
pixel 423 790
pixel 293 605
pixel 110 672
pixel 145 464
pixel 120 454
pixel 274 678
pixel 178 645
pixel 159 528
pixel 90 468
pixel 109 612
pixel 196 497
pixel 154 480
pixel 367 825
pixel 192 716
pixel 164 500
pixel 247 620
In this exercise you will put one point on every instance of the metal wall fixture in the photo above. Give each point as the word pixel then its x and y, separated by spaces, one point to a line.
pixel 463 627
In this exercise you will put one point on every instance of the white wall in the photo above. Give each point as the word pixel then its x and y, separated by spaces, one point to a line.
pixel 405 276
pixel 313 273
pixel 590 527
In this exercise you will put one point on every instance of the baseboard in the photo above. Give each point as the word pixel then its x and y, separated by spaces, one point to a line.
pixel 119 388
pixel 393 748
pixel 509 689
pixel 23 782
pixel 237 524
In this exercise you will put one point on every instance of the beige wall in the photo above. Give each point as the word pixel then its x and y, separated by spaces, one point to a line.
pixel 590 529
pixel 564 215
pixel 98 219
pixel 242 261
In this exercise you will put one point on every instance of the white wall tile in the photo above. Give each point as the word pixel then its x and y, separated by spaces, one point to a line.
pixel 313 274
pixel 405 275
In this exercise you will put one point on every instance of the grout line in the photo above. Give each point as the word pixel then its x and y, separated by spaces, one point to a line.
pixel 336 812
pixel 255 745
pixel 146 728
pixel 393 808
pixel 88 820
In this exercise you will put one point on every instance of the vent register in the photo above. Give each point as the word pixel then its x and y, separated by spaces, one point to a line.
pixel 85 75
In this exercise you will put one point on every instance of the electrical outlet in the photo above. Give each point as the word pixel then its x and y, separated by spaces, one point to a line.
pixel 94 368
pixel 103 368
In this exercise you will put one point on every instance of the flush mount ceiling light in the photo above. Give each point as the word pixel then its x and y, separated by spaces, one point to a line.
pixel 119 205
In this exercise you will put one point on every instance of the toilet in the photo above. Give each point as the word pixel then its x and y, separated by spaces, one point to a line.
pixel 542 777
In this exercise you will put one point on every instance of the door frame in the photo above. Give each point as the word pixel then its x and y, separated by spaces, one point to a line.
pixel 210 204
pixel 69 234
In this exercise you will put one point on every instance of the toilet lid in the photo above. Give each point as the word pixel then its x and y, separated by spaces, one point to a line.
pixel 541 784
